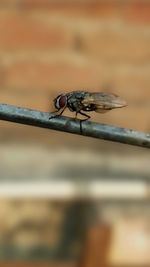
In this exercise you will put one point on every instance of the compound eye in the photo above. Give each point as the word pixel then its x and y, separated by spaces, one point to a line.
pixel 61 101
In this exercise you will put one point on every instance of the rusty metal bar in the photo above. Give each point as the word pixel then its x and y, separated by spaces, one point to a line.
pixel 65 124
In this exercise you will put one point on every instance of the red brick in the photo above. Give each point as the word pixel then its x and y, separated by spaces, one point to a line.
pixel 132 82
pixel 134 11
pixel 23 30
pixel 116 42
pixel 26 99
pixel 137 12
pixel 65 75
pixel 106 40
pixel 88 8
pixel 51 75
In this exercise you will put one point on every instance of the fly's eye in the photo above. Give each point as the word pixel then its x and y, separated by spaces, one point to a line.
pixel 60 101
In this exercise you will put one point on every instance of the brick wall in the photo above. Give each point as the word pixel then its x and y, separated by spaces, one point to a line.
pixel 49 46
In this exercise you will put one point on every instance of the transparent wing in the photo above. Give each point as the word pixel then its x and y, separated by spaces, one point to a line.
pixel 103 101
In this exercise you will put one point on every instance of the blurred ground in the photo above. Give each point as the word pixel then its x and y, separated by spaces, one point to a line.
pixel 48 47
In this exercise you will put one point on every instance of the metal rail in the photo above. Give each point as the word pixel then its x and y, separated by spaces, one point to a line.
pixel 65 124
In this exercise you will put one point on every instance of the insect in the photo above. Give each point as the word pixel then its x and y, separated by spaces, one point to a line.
pixel 79 101
pixel 82 101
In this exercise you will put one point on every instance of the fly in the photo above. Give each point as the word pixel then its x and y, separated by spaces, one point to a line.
pixel 82 101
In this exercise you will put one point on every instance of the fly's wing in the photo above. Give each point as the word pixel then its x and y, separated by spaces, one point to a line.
pixel 103 102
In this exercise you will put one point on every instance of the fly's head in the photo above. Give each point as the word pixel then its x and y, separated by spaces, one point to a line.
pixel 60 101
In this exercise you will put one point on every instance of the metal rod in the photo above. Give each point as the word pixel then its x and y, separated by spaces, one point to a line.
pixel 65 124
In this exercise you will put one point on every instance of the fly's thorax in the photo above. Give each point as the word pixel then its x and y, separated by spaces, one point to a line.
pixel 74 101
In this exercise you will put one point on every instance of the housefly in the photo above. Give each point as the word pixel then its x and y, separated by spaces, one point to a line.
pixel 82 101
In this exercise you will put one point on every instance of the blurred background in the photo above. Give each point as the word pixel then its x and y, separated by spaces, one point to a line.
pixel 67 199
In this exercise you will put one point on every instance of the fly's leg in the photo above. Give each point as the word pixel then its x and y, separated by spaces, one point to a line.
pixel 57 113
pixel 87 118
pixel 76 115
